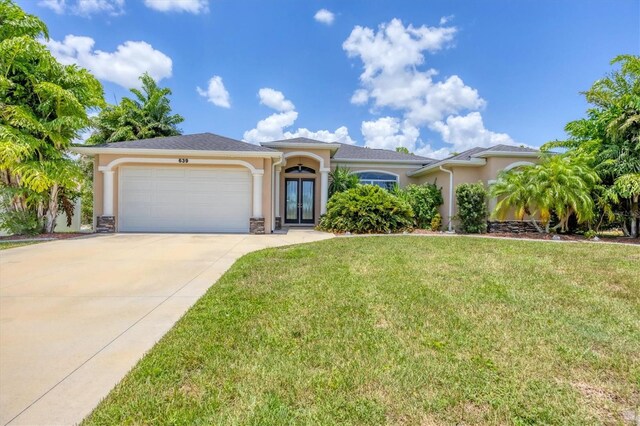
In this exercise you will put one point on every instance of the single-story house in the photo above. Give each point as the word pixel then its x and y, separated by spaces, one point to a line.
pixel 210 183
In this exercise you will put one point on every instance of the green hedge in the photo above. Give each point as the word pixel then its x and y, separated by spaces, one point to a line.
pixel 424 201
pixel 366 209
pixel 472 207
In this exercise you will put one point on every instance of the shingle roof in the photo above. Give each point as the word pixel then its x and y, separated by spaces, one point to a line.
pixel 196 142
pixel 354 152
pixel 298 140
pixel 466 155
pixel 510 148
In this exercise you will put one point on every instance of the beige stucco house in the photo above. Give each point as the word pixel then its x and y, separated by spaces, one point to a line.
pixel 210 183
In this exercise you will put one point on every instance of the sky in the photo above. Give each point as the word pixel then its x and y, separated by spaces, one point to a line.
pixel 434 76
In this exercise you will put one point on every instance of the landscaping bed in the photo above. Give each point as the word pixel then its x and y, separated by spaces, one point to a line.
pixel 401 330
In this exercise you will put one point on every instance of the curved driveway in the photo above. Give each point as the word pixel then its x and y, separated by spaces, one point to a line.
pixel 76 315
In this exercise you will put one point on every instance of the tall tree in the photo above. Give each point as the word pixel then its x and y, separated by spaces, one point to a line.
pixel 146 115
pixel 43 106
pixel 610 137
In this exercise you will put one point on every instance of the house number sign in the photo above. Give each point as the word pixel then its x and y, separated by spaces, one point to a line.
pixel 183 160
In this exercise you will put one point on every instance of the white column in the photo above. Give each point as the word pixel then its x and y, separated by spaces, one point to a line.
pixel 277 192
pixel 257 193
pixel 324 190
pixel 107 193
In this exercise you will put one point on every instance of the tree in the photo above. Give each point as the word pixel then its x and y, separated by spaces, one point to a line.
pixel 341 179
pixel 403 150
pixel 560 184
pixel 516 191
pixel 147 115
pixel 43 106
pixel 610 137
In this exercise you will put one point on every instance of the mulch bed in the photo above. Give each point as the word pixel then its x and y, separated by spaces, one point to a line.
pixel 44 237
pixel 538 236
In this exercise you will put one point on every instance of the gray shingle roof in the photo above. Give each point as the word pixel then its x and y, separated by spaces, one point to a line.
pixel 197 142
pixel 510 148
pixel 354 152
pixel 298 140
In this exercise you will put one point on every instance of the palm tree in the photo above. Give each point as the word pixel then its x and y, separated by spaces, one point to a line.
pixel 146 115
pixel 341 179
pixel 561 184
pixel 516 191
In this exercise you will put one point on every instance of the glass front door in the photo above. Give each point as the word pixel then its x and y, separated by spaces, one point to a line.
pixel 299 201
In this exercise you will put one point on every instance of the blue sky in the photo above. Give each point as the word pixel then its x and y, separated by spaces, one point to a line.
pixel 442 75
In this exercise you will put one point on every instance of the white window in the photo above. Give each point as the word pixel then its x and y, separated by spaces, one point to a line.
pixel 381 179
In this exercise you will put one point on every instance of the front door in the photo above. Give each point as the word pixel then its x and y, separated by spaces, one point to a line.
pixel 299 201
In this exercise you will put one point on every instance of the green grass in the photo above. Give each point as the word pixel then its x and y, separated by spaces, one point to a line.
pixel 4 245
pixel 401 330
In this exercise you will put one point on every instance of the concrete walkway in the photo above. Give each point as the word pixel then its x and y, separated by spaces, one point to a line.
pixel 76 315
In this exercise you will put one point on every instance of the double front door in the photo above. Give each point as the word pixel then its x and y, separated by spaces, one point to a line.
pixel 299 201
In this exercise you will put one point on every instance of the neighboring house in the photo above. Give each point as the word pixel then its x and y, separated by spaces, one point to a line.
pixel 210 183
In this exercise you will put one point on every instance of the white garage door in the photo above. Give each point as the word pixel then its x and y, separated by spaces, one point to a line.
pixel 177 199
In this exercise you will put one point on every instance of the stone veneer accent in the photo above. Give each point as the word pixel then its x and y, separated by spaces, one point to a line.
pixel 278 223
pixel 106 224
pixel 511 226
pixel 256 225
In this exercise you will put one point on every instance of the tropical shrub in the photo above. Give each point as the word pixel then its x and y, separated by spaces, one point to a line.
pixel 20 222
pixel 436 222
pixel 341 179
pixel 366 209
pixel 472 207
pixel 560 185
pixel 424 201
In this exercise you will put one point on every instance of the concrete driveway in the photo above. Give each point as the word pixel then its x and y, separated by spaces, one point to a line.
pixel 76 315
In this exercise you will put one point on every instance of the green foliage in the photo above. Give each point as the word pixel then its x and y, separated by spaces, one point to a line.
pixel 403 150
pixel 610 137
pixel 366 209
pixel 147 115
pixel 341 179
pixel 628 186
pixel 472 207
pixel 436 222
pixel 20 222
pixel 560 185
pixel 43 106
pixel 424 201
pixel 590 234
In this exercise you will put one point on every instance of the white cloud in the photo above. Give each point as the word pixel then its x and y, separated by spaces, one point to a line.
pixel 216 92
pixel 341 134
pixel 389 133
pixel 123 66
pixel 273 127
pixel 360 97
pixel 190 6
pixel 324 16
pixel 467 131
pixel 446 19
pixel 275 99
pixel 394 78
pixel 85 7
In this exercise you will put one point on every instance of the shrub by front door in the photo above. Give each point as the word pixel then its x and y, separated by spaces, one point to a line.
pixel 299 201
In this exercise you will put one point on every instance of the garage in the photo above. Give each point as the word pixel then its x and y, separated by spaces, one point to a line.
pixel 184 199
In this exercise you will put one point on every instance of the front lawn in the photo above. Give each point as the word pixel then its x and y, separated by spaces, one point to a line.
pixel 401 330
